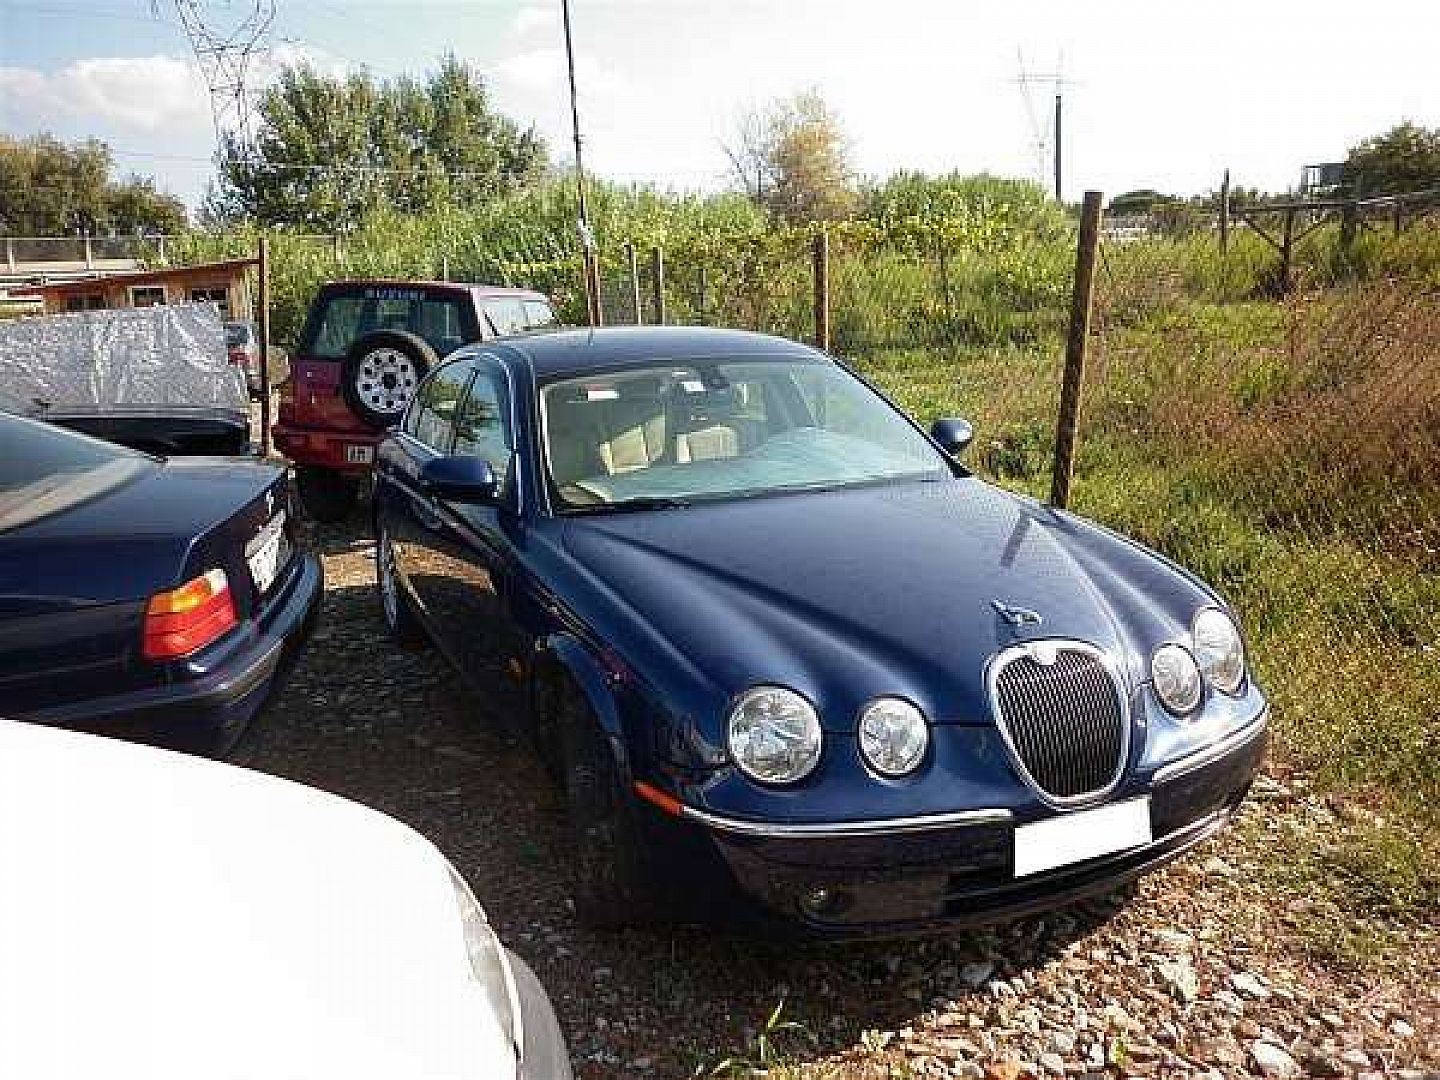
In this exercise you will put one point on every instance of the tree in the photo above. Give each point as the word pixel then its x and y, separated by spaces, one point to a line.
pixel 49 188
pixel 331 150
pixel 1405 158
pixel 792 159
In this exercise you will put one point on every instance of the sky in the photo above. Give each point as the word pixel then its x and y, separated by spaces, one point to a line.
pixel 1159 94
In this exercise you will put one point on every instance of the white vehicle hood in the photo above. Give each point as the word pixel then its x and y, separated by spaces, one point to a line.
pixel 169 918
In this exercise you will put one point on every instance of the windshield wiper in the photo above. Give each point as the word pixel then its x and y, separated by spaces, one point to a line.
pixel 645 502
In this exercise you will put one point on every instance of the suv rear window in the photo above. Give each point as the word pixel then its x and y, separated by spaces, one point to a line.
pixel 349 316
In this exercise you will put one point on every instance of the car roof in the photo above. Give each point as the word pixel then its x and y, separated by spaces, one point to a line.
pixel 572 352
pixel 438 286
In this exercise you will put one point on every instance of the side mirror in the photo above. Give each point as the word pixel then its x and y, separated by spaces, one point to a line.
pixel 461 479
pixel 953 434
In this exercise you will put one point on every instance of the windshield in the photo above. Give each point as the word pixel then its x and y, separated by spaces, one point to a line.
pixel 44 469
pixel 694 430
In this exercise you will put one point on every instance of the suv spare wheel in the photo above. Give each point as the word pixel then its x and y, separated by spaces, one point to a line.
pixel 380 374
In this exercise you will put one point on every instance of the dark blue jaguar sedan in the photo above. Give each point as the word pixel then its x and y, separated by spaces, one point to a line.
pixel 793 664
pixel 154 600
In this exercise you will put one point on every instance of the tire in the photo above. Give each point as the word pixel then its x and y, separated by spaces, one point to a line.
pixel 380 374
pixel 607 880
pixel 395 608
pixel 547 690
pixel 328 496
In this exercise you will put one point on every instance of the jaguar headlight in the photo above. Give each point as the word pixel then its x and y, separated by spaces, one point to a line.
pixel 893 736
pixel 774 735
pixel 1219 650
pixel 488 965
pixel 1176 678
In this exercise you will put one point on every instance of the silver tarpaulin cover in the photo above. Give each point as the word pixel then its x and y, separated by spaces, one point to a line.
pixel 130 360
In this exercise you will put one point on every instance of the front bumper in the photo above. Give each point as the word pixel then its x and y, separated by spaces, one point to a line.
pixel 208 714
pixel 906 876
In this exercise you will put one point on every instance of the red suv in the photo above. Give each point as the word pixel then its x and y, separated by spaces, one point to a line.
pixel 365 347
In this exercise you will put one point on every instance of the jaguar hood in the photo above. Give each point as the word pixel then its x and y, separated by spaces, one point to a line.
pixel 903 589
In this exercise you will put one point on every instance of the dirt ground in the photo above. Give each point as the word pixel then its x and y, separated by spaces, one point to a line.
pixel 1197 971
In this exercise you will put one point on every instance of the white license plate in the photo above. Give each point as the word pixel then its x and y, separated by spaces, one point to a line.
pixel 1084 834
pixel 268 552
pixel 359 455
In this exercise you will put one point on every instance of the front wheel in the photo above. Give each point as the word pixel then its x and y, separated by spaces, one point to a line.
pixel 328 496
pixel 608 883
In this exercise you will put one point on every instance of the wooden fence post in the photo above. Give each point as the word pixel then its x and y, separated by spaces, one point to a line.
pixel 1287 251
pixel 263 324
pixel 704 297
pixel 335 249
pixel 657 284
pixel 822 290
pixel 1397 209
pixel 1224 222
pixel 1349 226
pixel 1076 344
pixel 634 264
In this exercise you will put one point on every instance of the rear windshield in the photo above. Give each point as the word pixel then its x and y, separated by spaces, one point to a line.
pixel 348 316
pixel 45 469
pixel 238 335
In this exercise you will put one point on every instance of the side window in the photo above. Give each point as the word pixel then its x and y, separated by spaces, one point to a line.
pixel 431 419
pixel 482 426
pixel 508 316
pixel 537 314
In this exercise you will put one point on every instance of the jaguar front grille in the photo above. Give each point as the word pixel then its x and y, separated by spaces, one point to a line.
pixel 1060 708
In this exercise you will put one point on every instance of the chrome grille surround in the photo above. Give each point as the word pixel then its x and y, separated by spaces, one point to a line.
pixel 1076 740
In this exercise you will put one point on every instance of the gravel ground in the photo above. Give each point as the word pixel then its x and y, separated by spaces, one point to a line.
pixel 1197 970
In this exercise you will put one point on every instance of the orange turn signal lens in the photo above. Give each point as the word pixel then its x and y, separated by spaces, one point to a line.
pixel 184 620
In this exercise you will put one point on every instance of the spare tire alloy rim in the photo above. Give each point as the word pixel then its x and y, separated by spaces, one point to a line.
pixel 385 380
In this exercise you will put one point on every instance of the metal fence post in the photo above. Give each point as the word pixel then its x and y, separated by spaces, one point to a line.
pixel 1076 344
pixel 703 300
pixel 822 290
pixel 634 264
pixel 657 284
pixel 263 323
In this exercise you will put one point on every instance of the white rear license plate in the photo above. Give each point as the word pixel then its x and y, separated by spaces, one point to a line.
pixel 359 455
pixel 1084 834
pixel 268 552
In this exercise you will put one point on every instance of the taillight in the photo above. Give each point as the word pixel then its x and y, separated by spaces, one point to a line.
pixel 238 357
pixel 179 622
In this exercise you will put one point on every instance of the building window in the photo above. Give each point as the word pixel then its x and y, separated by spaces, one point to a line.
pixel 85 302
pixel 215 294
pixel 147 295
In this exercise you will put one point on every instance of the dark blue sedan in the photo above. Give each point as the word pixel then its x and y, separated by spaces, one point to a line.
pixel 793 664
pixel 161 601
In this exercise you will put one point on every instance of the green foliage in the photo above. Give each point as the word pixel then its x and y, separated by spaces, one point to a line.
pixel 1405 158
pixel 331 151
pixel 48 188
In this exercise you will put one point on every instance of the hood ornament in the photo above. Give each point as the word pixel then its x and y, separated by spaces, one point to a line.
pixel 1016 616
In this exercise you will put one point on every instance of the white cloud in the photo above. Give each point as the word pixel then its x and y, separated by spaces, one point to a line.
pixel 124 94
pixel 532 20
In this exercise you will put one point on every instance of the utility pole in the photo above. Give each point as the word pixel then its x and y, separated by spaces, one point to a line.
pixel 587 235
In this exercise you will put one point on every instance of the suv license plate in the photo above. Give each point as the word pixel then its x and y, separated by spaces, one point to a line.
pixel 268 552
pixel 359 455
